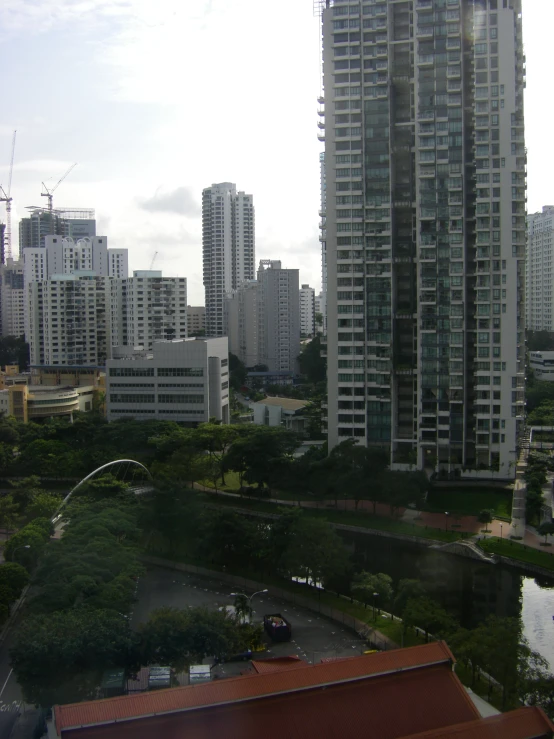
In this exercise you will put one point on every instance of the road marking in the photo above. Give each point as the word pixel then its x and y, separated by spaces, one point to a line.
pixel 4 686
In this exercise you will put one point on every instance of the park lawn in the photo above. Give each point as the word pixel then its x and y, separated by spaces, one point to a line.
pixel 519 552
pixel 232 483
pixel 470 502
pixel 360 519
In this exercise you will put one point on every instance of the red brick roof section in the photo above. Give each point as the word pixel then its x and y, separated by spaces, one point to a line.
pixel 359 697
pixel 525 723
pixel 248 687
pixel 277 664
pixel 380 707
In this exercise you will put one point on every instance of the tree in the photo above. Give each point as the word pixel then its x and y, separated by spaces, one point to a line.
pixel 426 614
pixel 546 528
pixel 43 505
pixel 237 372
pixel 60 657
pixel 226 537
pixel 407 589
pixel 533 505
pixel 180 637
pixel 485 516
pixel 256 454
pixel 314 551
pixel 312 364
pixel 9 512
pixel 370 586
pixel 15 577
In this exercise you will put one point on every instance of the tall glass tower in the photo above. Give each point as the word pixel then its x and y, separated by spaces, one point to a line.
pixel 425 230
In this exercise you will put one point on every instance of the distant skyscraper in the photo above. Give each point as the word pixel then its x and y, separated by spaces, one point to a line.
pixel 242 320
pixel 307 310
pixel 2 243
pixel 12 299
pixel 228 248
pixel 279 316
pixel 425 230
pixel 539 273
pixel 323 238
pixel 73 222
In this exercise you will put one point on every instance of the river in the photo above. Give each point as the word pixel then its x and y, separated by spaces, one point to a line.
pixel 469 589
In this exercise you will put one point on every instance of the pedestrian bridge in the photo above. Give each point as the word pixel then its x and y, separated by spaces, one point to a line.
pixel 466 549
pixel 125 470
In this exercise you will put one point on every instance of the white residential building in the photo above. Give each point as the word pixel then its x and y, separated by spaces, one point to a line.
pixel 64 256
pixel 227 246
pixel 12 299
pixel 185 380
pixel 307 311
pixel 539 272
pixel 69 320
pixel 196 320
pixel 148 307
pixel 64 222
pixel 279 316
pixel 425 169
pixel 242 317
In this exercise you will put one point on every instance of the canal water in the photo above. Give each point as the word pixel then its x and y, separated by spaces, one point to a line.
pixel 467 588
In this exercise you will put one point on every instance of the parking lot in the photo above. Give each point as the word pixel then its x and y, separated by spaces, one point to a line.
pixel 313 637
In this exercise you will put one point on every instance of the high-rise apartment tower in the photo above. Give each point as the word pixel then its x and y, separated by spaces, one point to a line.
pixel 228 248
pixel 539 273
pixel 425 229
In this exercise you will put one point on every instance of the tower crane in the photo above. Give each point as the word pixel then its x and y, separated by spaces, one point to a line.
pixel 49 194
pixel 5 197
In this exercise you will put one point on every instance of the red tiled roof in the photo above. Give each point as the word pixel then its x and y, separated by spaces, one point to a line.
pixel 388 706
pixel 432 696
pixel 277 664
pixel 248 687
pixel 525 723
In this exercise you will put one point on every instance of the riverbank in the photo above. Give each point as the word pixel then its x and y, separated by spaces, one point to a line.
pixel 415 527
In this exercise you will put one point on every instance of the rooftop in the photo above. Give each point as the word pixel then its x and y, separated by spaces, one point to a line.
pixel 327 696
pixel 289 404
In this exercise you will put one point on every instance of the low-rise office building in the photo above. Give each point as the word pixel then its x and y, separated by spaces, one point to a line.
pixel 185 380
pixel 542 364
pixel 37 403
pixel 285 412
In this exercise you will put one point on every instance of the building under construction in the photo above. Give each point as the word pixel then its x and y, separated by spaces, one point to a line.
pixel 74 222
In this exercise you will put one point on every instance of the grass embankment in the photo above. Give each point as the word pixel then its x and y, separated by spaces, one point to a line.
pixel 470 502
pixel 518 552
pixel 361 519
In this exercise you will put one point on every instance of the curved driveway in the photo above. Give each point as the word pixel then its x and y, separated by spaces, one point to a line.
pixel 313 636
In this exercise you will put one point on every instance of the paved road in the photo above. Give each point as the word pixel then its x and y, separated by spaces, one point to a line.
pixel 314 637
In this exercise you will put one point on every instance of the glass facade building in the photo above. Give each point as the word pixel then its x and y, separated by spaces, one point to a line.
pixel 425 230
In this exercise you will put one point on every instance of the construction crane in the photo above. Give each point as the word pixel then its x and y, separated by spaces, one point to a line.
pixel 49 194
pixel 153 260
pixel 6 197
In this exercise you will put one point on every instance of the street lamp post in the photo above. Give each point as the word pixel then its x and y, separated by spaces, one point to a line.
pixel 446 514
pixel 500 532
pixel 21 546
pixel 249 597
pixel 375 595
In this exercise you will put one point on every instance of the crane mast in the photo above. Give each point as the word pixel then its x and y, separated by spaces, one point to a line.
pixel 49 193
pixel 5 197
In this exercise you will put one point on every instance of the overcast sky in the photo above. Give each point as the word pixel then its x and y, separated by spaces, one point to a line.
pixel 156 100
